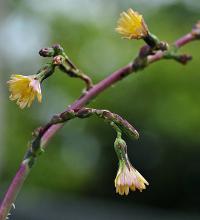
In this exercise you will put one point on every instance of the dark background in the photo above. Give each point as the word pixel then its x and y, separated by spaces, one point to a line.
pixel 74 179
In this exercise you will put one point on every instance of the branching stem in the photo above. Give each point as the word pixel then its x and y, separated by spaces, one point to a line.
pixel 49 130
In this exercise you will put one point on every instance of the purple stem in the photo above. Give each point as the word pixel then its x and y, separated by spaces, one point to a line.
pixel 107 82
pixel 13 190
pixel 185 39
pixel 23 171
pixel 94 91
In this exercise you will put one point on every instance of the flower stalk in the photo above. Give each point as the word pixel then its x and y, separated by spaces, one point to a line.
pixel 49 130
pixel 62 61
pixel 116 121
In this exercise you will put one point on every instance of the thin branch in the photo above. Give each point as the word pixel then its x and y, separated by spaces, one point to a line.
pixel 109 81
pixel 49 130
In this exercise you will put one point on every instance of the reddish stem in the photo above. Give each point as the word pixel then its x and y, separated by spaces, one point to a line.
pixel 94 91
pixel 23 171
pixel 108 81
pixel 184 40
pixel 13 190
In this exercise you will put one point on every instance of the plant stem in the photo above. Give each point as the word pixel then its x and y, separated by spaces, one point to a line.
pixel 118 75
pixel 13 190
pixel 108 81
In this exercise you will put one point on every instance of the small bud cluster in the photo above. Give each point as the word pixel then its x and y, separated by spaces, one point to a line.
pixel 24 89
pixel 55 50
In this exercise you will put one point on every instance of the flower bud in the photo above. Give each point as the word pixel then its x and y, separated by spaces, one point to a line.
pixel 47 52
pixel 58 50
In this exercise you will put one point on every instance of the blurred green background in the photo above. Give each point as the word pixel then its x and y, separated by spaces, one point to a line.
pixel 74 178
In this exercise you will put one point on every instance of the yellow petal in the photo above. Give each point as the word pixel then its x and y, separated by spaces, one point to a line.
pixel 24 89
pixel 131 25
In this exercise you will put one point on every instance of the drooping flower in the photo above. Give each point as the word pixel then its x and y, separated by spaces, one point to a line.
pixel 24 89
pixel 128 178
pixel 131 25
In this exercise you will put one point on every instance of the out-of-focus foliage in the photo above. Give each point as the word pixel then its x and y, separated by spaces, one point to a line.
pixel 162 102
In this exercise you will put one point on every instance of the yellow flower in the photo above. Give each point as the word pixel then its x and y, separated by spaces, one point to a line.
pixel 128 178
pixel 24 89
pixel 131 25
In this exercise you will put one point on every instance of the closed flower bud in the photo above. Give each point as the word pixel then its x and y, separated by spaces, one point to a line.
pixel 47 52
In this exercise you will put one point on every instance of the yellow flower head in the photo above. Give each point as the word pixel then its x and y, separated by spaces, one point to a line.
pixel 129 178
pixel 24 89
pixel 131 25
